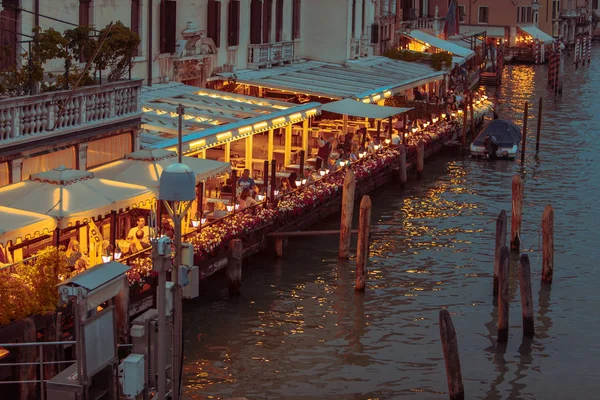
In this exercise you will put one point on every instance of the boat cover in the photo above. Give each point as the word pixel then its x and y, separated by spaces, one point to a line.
pixel 505 132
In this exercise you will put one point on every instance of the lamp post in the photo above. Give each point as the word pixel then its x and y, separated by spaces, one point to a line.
pixel 535 7
pixel 177 192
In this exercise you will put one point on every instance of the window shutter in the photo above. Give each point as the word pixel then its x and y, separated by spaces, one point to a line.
pixel 213 22
pixel 296 19
pixel 135 16
pixel 168 25
pixel 84 12
pixel 279 21
pixel 9 17
pixel 267 20
pixel 255 21
pixel 375 33
pixel 233 36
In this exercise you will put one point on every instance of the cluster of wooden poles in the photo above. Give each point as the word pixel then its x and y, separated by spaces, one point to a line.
pixel 235 256
pixel 501 284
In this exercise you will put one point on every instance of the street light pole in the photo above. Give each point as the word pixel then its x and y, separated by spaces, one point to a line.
pixel 177 191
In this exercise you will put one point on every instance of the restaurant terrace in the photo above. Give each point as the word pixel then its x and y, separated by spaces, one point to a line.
pixel 214 119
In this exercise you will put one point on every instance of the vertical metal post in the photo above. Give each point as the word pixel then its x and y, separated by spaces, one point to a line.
pixel 42 391
pixel 273 179
pixel 180 112
pixel 176 367
pixel 266 181
pixel 162 323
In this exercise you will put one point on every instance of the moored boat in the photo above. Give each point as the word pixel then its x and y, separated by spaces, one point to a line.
pixel 499 139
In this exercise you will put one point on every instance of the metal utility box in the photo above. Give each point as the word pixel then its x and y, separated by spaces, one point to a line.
pixel 65 386
pixel 187 254
pixel 169 306
pixel 133 374
pixel 192 289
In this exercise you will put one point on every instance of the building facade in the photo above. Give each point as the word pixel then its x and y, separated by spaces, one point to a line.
pixel 500 18
pixel 190 41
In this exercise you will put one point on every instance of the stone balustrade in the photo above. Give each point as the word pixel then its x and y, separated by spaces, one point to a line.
pixel 268 54
pixel 28 118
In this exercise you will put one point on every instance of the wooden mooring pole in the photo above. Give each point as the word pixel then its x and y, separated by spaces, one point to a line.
pixel 420 158
pixel 362 251
pixel 472 117
pixel 500 243
pixel 547 244
pixel 539 126
pixel 403 174
pixel 523 142
pixel 517 213
pixel 526 297
pixel 234 267
pixel 464 128
pixel 456 390
pixel 503 298
pixel 347 213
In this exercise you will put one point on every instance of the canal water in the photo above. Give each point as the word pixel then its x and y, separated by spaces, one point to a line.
pixel 299 331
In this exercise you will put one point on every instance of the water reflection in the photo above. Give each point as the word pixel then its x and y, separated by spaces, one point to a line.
pixel 299 330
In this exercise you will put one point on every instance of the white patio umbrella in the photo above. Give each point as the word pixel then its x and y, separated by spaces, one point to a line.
pixel 18 224
pixel 144 167
pixel 72 195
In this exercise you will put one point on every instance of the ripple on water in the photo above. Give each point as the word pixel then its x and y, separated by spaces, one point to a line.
pixel 299 331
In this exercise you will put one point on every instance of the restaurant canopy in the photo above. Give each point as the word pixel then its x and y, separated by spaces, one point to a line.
pixel 441 44
pixel 211 117
pixel 537 33
pixel 371 78
pixel 144 167
pixel 18 224
pixel 360 109
pixel 72 196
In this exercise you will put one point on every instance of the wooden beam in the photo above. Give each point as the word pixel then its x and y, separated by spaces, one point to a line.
pixel 228 152
pixel 306 233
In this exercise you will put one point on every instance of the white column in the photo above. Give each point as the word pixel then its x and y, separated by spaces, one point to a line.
pixel 249 143
pixel 137 142
pixel 305 137
pixel 82 156
pixel 228 152
pixel 287 146
pixel 270 146
pixel 16 166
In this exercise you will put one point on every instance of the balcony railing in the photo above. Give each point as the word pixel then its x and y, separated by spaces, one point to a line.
pixel 268 54
pixel 28 118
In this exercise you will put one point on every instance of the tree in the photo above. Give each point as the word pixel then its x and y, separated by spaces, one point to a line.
pixel 111 50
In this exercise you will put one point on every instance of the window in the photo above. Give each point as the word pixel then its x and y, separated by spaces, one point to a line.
pixel 296 19
pixel 483 15
pixel 461 13
pixel 9 17
pixel 84 12
pixel 135 19
pixel 267 20
pixel 105 150
pixel 233 29
pixel 168 25
pixel 524 15
pixel 213 24
pixel 255 21
pixel 594 4
pixel 279 21
pixel 555 8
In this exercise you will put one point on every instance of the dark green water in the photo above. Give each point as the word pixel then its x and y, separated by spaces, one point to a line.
pixel 299 331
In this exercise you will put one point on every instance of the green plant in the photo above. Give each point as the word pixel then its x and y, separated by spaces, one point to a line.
pixel 32 288
pixel 438 60
pixel 441 60
pixel 111 50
